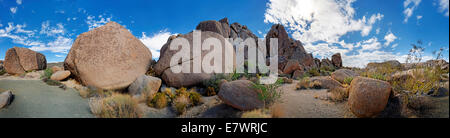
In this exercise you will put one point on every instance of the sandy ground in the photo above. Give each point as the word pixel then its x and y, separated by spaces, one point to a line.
pixel 308 104
pixel 35 99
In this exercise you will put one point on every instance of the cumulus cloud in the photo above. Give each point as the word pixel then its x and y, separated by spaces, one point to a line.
pixel 13 10
pixel 59 45
pixel 319 20
pixel 52 30
pixel 390 37
pixel 155 41
pixel 410 6
pixel 443 6
pixel 19 2
pixel 94 22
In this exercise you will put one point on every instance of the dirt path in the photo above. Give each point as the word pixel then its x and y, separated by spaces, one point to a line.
pixel 35 99
pixel 306 104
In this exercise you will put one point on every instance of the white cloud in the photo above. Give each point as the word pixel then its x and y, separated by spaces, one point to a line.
pixel 52 30
pixel 60 56
pixel 17 33
pixel 156 41
pixel 390 37
pixel 370 44
pixel 319 20
pixel 378 31
pixel 443 6
pixel 19 2
pixel 13 10
pixel 94 22
pixel 419 17
pixel 60 45
pixel 410 6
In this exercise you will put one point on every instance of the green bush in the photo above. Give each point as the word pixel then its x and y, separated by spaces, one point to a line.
pixel 159 100
pixel 47 74
pixel 195 98
pixel 268 92
pixel 314 72
pixel 348 80
pixel 2 72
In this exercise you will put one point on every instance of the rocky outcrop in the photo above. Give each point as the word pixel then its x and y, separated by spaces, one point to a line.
pixel 368 97
pixel 19 60
pixel 6 99
pixel 291 66
pixel 60 75
pixel 341 74
pixel 240 94
pixel 444 65
pixel 108 57
pixel 374 67
pixel 222 27
pixel 144 86
pixel 288 48
pixel 337 60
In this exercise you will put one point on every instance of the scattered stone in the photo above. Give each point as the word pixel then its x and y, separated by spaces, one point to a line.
pixel 341 74
pixel 60 75
pixel 6 99
pixel 240 94
pixel 368 97
pixel 297 74
pixel 19 60
pixel 108 57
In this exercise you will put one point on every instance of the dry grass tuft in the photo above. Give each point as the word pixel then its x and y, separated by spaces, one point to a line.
pixel 255 114
pixel 115 106
pixel 339 94
pixel 277 111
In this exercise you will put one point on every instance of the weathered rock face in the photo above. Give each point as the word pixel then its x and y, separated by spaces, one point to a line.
pixel 240 94
pixel 326 82
pixel 163 68
pixel 337 60
pixel 144 86
pixel 60 75
pixel 19 60
pixel 291 66
pixel 368 97
pixel 326 62
pixel 108 57
pixel 5 98
pixel 222 27
pixel 288 48
pixel 341 74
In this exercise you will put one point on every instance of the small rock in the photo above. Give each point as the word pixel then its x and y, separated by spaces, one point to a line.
pixel 6 99
pixel 240 94
pixel 341 74
pixel 144 86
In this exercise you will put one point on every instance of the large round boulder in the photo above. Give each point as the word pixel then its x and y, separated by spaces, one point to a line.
pixel 108 57
pixel 341 74
pixel 368 97
pixel 171 79
pixel 60 75
pixel 240 94
pixel 19 60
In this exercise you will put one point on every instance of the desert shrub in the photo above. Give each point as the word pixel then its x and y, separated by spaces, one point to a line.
pixel 423 81
pixel 314 72
pixel 303 84
pixel 338 94
pixel 169 93
pixel 159 100
pixel 377 76
pixel 348 80
pixel 180 104
pixel 2 71
pixel 195 98
pixel 268 92
pixel 255 114
pixel 115 106
pixel 210 91
pixel 47 74
pixel 215 80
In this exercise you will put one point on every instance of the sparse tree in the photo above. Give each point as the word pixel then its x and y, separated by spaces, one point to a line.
pixel 416 53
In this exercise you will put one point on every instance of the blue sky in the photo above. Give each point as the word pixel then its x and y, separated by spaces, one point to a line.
pixel 361 30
